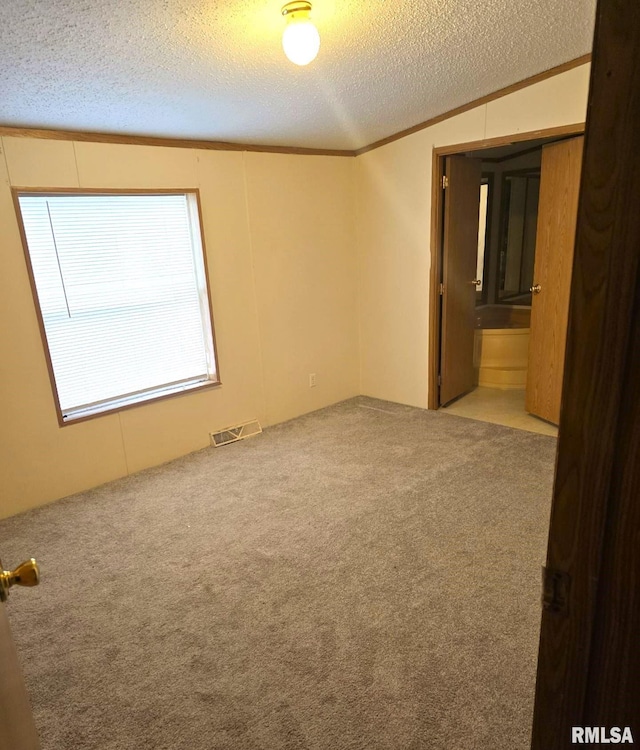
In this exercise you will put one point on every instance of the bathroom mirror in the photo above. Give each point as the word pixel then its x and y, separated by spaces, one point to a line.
pixel 519 217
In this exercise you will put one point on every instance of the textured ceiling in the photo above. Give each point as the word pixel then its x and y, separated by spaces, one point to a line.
pixel 214 69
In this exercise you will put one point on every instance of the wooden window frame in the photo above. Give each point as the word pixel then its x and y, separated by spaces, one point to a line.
pixel 48 191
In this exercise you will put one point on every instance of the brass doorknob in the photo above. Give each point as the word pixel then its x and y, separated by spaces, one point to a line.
pixel 26 574
pixel 536 289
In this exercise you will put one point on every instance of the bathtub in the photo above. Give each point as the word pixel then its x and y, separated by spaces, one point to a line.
pixel 501 346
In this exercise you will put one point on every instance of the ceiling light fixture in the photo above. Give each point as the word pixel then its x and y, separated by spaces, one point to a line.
pixel 300 39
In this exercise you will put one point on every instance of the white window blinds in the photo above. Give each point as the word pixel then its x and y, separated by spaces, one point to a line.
pixel 123 296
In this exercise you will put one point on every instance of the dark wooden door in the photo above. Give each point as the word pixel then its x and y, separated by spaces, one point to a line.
pixel 555 240
pixel 589 658
pixel 460 251
pixel 17 728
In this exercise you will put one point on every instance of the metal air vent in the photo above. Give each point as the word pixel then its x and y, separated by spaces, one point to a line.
pixel 233 434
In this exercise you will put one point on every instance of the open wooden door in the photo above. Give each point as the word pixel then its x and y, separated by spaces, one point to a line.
pixel 557 214
pixel 460 250
pixel 589 658
pixel 17 728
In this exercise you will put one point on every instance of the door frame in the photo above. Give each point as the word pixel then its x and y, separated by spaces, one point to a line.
pixel 437 225
pixel 589 657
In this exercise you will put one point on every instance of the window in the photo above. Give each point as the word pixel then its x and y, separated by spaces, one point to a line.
pixel 121 288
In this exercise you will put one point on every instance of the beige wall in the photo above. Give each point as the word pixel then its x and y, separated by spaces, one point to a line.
pixel 393 189
pixel 317 264
pixel 302 217
pixel 279 232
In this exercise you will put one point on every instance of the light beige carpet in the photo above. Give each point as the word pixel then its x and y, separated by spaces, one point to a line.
pixel 366 577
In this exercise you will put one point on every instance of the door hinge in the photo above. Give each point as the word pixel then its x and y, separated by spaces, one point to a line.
pixel 439 380
pixel 555 591
pixel 445 181
pixel 441 290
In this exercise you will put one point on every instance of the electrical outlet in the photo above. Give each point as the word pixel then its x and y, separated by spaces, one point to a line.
pixel 312 380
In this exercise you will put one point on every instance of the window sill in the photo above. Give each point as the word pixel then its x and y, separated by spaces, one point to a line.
pixel 118 405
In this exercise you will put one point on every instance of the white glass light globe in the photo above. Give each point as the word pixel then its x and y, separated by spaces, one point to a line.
pixel 301 41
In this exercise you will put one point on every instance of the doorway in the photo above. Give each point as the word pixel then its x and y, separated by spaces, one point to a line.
pixel 503 228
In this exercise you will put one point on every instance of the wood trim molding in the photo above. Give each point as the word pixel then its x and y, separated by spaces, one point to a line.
pixel 142 140
pixel 437 203
pixel 479 102
pixel 139 140
pixel 560 131
pixel 53 191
